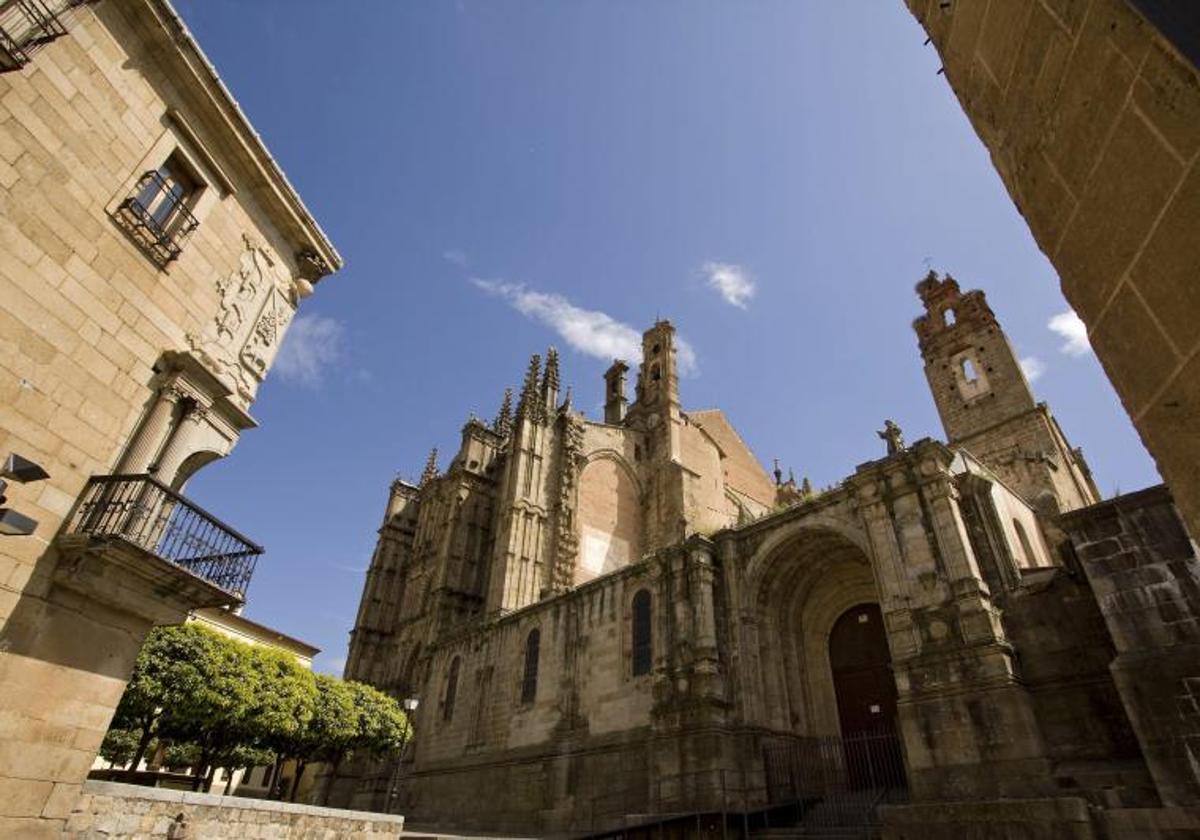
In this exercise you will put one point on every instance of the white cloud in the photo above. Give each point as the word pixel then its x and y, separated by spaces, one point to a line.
pixel 312 344
pixel 455 257
pixel 1033 367
pixel 1069 326
pixel 589 331
pixel 732 282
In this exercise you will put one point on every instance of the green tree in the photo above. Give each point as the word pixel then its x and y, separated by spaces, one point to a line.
pixel 329 733
pixel 212 715
pixel 171 669
pixel 119 746
pixel 383 727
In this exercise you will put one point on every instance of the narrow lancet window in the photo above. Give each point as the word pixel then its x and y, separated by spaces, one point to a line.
pixel 529 682
pixel 642 648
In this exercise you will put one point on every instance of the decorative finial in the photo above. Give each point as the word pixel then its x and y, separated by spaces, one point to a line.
pixel 431 468
pixel 791 477
pixel 566 406
pixel 550 377
pixel 529 402
pixel 503 421
pixel 778 473
pixel 894 437
pixel 806 487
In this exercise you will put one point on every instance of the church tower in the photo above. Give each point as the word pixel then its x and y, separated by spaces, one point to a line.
pixel 985 402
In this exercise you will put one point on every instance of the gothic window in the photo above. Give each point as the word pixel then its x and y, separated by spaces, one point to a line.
pixel 642 647
pixel 533 644
pixel 1026 546
pixel 948 316
pixel 451 689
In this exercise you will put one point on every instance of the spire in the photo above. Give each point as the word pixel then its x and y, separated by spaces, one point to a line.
pixel 503 421
pixel 550 377
pixel 431 468
pixel 566 406
pixel 529 404
pixel 778 473
pixel 806 487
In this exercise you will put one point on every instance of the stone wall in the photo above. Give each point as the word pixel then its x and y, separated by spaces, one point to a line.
pixel 112 810
pixel 1144 571
pixel 1092 120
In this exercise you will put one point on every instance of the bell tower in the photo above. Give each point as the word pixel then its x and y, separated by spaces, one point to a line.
pixel 985 402
pixel 658 392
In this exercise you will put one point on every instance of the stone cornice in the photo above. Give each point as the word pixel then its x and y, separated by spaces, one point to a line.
pixel 173 45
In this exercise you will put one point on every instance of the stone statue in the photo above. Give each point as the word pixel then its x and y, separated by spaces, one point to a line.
pixel 894 437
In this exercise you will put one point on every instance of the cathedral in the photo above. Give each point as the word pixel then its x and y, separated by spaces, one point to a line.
pixel 615 623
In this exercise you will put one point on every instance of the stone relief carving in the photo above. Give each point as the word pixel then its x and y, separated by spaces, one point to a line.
pixel 256 304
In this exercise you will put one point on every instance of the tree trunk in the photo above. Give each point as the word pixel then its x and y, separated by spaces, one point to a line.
pixel 143 745
pixel 276 771
pixel 332 777
pixel 300 768
pixel 229 771
pixel 208 780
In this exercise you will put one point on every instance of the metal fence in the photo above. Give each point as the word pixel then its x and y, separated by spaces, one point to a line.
pixel 148 514
pixel 836 781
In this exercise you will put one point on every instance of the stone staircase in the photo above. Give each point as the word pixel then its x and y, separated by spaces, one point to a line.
pixel 845 816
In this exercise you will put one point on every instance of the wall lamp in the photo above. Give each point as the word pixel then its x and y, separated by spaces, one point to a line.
pixel 22 470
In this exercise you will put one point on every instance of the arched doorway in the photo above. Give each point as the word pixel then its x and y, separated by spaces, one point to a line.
pixel 862 673
pixel 866 699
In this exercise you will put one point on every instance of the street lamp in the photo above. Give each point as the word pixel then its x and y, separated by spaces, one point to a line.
pixel 409 704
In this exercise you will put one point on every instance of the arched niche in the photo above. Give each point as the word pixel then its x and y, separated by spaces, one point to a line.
pixel 609 513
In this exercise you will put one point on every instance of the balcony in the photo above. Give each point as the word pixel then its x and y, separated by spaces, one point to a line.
pixel 157 218
pixel 137 520
pixel 26 25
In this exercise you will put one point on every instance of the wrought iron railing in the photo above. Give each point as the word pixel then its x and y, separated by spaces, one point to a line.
pixel 836 781
pixel 26 25
pixel 148 514
pixel 157 217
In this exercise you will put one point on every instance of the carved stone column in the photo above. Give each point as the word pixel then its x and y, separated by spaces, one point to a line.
pixel 150 435
pixel 182 442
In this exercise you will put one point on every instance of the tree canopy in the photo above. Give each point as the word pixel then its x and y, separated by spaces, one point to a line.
pixel 215 702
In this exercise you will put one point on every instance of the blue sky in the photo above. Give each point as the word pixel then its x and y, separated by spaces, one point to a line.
pixel 774 177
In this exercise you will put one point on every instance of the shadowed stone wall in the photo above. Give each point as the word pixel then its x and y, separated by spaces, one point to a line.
pixel 1144 572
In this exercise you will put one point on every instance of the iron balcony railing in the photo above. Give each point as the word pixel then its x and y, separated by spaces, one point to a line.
pixel 157 217
pixel 26 25
pixel 152 516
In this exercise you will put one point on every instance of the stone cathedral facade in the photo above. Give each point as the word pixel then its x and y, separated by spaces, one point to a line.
pixel 608 620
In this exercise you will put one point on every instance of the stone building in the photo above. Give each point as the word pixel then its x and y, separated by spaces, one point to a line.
pixel 152 255
pixel 614 621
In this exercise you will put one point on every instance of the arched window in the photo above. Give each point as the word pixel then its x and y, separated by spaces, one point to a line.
pixel 451 689
pixel 642 648
pixel 968 369
pixel 533 643
pixel 948 316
